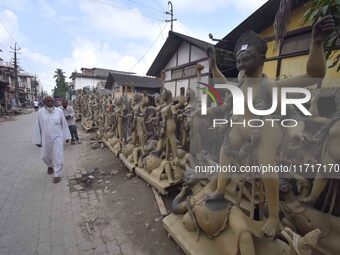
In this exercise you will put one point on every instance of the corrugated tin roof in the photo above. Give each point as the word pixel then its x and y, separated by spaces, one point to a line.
pixel 134 80
pixel 74 75
pixel 98 73
pixel 105 72
pixel 169 48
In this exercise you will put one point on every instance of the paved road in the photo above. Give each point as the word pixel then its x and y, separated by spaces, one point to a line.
pixel 38 217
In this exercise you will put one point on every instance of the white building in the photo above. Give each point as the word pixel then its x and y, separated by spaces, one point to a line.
pixel 92 77
pixel 178 58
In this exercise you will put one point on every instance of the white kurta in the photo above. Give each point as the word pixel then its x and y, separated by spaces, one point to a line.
pixel 51 130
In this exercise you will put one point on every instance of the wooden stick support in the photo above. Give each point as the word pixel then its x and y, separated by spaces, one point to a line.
pixel 160 203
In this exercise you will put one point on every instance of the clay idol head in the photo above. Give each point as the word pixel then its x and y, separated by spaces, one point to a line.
pixel 250 52
pixel 166 95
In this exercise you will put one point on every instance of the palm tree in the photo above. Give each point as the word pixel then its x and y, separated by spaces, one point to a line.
pixel 61 87
pixel 59 75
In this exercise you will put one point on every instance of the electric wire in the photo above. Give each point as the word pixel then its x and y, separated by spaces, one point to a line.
pixel 5 29
pixel 160 29
pixel 151 16
pixel 159 5
pixel 154 42
pixel 146 6
pixel 182 28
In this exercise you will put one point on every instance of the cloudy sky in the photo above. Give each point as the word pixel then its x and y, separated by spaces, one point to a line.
pixel 115 34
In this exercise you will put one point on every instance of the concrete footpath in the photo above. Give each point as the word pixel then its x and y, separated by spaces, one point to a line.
pixel 38 217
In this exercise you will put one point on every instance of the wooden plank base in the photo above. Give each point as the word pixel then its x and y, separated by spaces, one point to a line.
pixel 160 203
pixel 115 152
pixel 127 163
pixel 189 244
pixel 153 179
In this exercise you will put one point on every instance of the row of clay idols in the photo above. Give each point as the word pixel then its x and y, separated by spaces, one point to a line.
pixel 220 209
pixel 145 134
pixel 235 213
pixel 148 135
pixel 145 151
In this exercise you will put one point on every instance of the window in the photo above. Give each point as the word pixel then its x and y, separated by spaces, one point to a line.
pixel 295 44
pixel 177 74
pixel 189 71
pixel 183 72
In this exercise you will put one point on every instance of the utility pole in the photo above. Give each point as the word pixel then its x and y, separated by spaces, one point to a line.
pixel 35 82
pixel 15 51
pixel 171 13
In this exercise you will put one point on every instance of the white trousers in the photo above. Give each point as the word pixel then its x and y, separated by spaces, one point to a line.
pixel 53 155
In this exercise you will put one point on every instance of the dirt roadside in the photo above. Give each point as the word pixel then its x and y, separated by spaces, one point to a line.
pixel 126 204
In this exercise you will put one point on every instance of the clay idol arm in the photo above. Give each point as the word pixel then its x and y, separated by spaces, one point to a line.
pixel 217 74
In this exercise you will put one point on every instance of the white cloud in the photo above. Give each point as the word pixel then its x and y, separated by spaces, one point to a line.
pixel 9 33
pixel 88 53
pixel 110 23
pixel 47 9
pixel 130 25
pixel 247 4
pixel 36 57
pixel 119 22
pixel 9 29
pixel 17 5
pixel 199 6
pixel 212 5
pixel 126 63
pixel 195 32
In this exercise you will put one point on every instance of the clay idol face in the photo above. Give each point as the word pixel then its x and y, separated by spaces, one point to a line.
pixel 250 52
pixel 248 60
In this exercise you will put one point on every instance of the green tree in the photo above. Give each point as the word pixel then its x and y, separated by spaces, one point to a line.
pixel 60 88
pixel 319 9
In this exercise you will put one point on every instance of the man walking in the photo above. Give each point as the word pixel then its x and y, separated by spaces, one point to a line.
pixel 71 122
pixel 51 130
pixel 36 105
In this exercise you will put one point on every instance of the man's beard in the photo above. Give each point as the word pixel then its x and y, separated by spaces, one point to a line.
pixel 49 109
